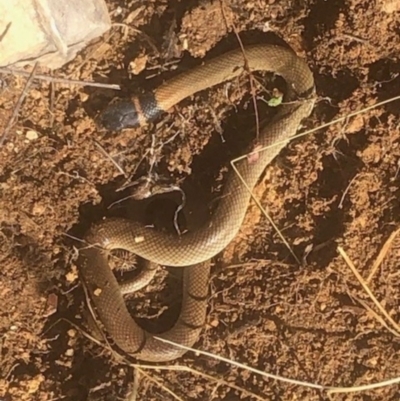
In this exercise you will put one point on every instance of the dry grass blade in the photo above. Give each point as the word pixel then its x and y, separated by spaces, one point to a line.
pixel 158 383
pixel 364 387
pixel 248 368
pixel 328 389
pixel 382 254
pixel 109 157
pixel 345 192
pixel 377 317
pixel 367 290
pixel 182 368
pixel 18 105
pixel 65 81
pixel 263 211
pixel 87 335
pixel 312 130
pixel 135 386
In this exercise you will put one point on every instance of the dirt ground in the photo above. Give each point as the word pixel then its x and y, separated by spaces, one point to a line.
pixel 310 319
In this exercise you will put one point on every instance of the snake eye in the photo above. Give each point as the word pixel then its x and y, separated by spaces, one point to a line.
pixel 120 115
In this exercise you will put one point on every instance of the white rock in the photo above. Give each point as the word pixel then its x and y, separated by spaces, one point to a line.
pixel 48 31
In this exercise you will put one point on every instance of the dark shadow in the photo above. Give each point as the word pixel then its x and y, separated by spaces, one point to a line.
pixel 385 76
pixel 321 18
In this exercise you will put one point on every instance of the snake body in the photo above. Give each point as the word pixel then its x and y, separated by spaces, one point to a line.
pixel 193 249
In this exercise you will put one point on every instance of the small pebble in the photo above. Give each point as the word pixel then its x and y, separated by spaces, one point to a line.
pixel 31 135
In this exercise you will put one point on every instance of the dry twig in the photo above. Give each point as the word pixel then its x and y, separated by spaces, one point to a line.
pixel 18 105
pixel 65 81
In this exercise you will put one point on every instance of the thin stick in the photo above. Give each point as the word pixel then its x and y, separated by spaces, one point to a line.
pixel 18 105
pixel 367 290
pixel 7 70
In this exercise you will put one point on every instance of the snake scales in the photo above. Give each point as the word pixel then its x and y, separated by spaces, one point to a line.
pixel 195 248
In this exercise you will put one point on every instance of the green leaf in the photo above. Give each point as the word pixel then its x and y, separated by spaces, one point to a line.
pixel 275 101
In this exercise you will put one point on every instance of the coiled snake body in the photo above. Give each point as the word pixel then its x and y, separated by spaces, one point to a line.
pixel 192 248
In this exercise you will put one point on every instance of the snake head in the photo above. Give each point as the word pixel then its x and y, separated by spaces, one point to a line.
pixel 119 115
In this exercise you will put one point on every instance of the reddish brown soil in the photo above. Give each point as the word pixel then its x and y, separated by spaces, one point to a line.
pixel 309 321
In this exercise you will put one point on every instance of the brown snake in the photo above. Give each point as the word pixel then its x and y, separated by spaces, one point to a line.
pixel 193 248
